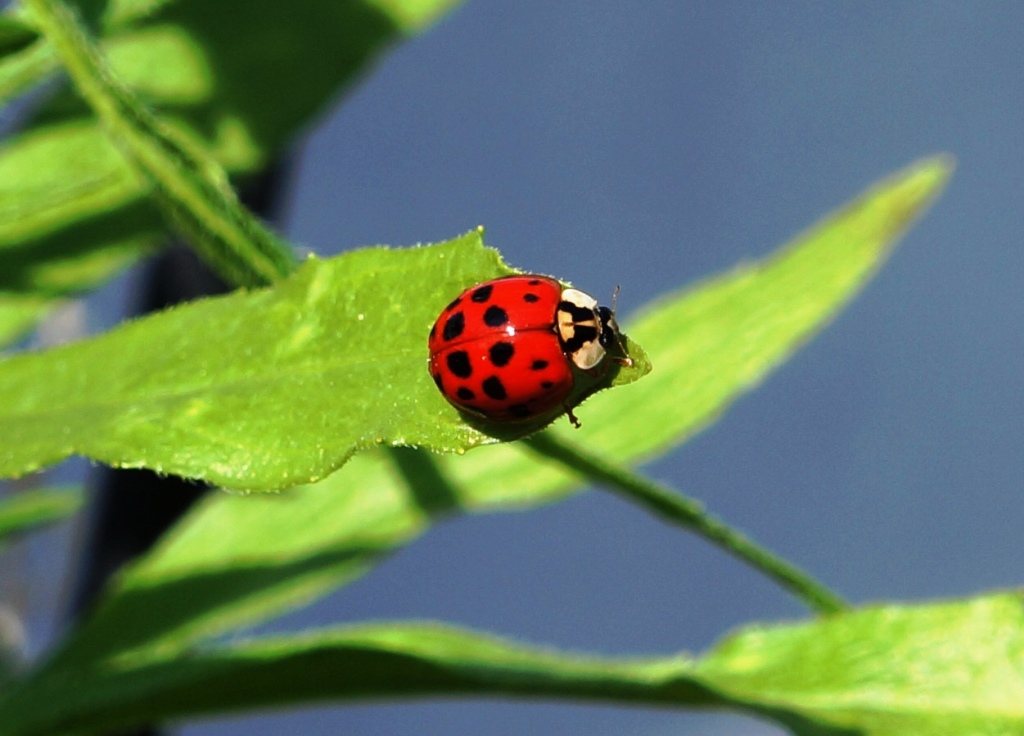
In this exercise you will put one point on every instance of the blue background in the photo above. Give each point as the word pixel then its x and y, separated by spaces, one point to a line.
pixel 651 147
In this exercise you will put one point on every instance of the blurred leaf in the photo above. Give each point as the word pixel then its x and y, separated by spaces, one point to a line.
pixel 28 510
pixel 277 65
pixel 15 35
pixel 928 670
pixel 66 177
pixel 242 559
pixel 259 390
pixel 189 186
pixel 64 174
pixel 20 313
pixel 24 68
pixel 117 13
pixel 352 664
pixel 243 77
pixel 25 59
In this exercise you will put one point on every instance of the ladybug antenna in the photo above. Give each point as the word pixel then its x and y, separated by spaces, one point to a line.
pixel 610 334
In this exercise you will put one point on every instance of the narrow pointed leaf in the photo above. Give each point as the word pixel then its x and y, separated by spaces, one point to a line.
pixel 925 670
pixel 349 665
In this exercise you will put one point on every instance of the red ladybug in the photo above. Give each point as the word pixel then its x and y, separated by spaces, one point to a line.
pixel 510 349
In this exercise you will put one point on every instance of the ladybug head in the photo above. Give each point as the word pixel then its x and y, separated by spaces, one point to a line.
pixel 610 337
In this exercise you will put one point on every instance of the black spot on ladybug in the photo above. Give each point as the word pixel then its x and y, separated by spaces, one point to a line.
pixel 482 294
pixel 455 302
pixel 433 330
pixel 453 326
pixel 465 394
pixel 533 282
pixel 538 365
pixel 581 335
pixel 437 380
pixel 530 297
pixel 501 353
pixel 546 384
pixel 495 316
pixel 494 388
pixel 458 363
pixel 519 411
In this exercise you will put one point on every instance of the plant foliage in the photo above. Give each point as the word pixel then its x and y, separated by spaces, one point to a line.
pixel 313 382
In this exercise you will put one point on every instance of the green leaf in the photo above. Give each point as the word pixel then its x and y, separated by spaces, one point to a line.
pixel 713 342
pixel 238 560
pixel 277 66
pixel 928 670
pixel 931 670
pixel 71 178
pixel 272 68
pixel 22 69
pixel 63 175
pixel 20 313
pixel 260 390
pixel 15 35
pixel 352 664
pixel 244 559
pixel 28 510
pixel 70 218
pixel 118 13
pixel 189 186
pixel 242 76
pixel 25 59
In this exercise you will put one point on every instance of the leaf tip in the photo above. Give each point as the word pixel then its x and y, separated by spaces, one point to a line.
pixel 920 183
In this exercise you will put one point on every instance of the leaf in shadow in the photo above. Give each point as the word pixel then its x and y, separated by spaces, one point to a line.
pixel 401 660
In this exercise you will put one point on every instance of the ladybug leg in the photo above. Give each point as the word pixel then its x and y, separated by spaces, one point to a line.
pixel 572 417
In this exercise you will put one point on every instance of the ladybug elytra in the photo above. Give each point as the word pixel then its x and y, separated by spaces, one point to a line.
pixel 510 349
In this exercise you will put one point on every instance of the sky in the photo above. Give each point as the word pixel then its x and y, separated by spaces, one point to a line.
pixel 652 149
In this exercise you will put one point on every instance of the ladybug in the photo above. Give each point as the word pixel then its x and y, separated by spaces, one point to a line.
pixel 512 348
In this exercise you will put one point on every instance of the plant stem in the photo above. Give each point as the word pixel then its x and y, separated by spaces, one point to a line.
pixel 688 513
pixel 190 187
